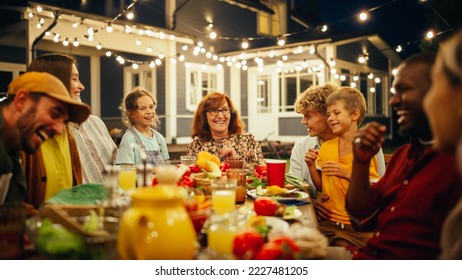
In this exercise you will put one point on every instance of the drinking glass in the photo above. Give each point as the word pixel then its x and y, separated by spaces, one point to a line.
pixel 127 177
pixel 188 160
pixel 223 195
pixel 241 183
pixel 235 162
pixel 220 236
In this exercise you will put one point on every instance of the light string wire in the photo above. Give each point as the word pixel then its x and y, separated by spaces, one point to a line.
pixel 317 27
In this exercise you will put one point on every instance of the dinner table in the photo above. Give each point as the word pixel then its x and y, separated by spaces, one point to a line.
pixel 305 215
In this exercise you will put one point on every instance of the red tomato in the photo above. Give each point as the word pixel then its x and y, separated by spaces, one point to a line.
pixel 154 181
pixel 269 251
pixel 247 243
pixel 265 206
pixel 287 244
pixel 260 168
pixel 279 248
pixel 194 168
pixel 224 166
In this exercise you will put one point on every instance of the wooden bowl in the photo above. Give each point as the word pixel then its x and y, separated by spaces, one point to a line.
pixel 201 182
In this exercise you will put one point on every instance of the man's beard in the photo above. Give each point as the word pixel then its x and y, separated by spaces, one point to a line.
pixel 27 130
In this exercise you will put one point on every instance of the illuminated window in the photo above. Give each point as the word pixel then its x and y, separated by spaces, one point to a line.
pixel 272 25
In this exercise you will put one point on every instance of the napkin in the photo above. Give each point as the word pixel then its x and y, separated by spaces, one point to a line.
pixel 85 194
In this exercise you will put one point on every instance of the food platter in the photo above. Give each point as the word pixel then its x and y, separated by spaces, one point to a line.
pixel 301 195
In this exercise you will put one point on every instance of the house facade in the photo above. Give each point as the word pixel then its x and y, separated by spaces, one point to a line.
pixel 169 49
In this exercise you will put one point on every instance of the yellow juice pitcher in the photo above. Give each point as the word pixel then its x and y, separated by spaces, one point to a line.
pixel 156 226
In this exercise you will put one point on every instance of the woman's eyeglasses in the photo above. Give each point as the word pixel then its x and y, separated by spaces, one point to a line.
pixel 224 111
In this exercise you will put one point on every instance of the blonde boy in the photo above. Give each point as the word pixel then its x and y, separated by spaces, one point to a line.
pixel 330 169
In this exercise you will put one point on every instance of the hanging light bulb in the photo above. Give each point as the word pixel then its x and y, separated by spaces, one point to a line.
pixel 398 48
pixel 75 24
pixel 430 34
pixel 135 66
pixel 39 9
pixel 56 38
pixel 324 28
pixel 75 43
pixel 332 62
pixel 130 15
pixel 108 53
pixel 213 35
pixel 109 28
pixel 99 46
pixel 363 16
pixel 281 41
pixel 245 44
pixel 66 42
pixel 127 29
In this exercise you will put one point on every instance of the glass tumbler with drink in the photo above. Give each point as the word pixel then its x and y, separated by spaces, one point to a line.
pixel 241 183
pixel 188 160
pixel 223 195
pixel 127 176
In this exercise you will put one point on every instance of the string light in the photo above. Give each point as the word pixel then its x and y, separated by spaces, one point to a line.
pixel 245 44
pixel 109 28
pixel 363 16
pixel 201 50
pixel 281 41
pixel 130 15
pixel 213 35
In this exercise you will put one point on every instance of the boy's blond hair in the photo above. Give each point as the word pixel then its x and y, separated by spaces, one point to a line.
pixel 353 99
pixel 314 99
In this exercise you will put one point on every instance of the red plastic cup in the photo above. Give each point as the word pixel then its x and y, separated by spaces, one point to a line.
pixel 276 172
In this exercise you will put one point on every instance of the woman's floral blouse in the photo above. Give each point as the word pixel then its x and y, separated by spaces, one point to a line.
pixel 244 144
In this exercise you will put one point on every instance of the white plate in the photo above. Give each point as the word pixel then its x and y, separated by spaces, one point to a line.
pixel 277 223
pixel 301 195
pixel 297 214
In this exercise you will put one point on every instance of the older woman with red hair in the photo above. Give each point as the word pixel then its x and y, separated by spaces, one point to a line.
pixel 218 129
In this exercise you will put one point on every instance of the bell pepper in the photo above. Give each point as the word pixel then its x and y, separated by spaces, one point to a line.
pixel 186 181
pixel 203 157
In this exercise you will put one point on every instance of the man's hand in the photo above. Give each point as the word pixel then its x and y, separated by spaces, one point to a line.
pixel 323 211
pixel 368 140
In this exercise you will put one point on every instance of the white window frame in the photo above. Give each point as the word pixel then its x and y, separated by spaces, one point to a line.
pixel 197 89
pixel 142 71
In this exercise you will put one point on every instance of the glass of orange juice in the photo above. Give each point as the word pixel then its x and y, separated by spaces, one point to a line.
pixel 127 176
pixel 220 236
pixel 223 195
